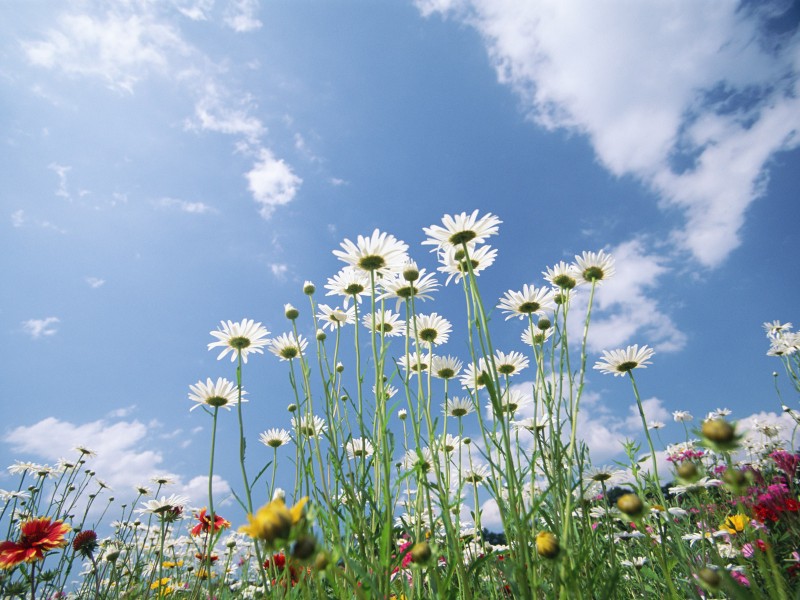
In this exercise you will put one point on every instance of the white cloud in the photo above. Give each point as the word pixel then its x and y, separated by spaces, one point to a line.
pixel 120 48
pixel 272 183
pixel 38 328
pixel 625 306
pixel 653 411
pixel 95 282
pixel 692 99
pixel 240 15
pixel 490 515
pixel 279 270
pixel 61 171
pixel 195 208
pixel 213 112
pixel 18 218
pixel 196 10
pixel 197 490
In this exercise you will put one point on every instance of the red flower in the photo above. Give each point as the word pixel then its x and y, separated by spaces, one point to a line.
pixel 39 536
pixel 85 543
pixel 205 523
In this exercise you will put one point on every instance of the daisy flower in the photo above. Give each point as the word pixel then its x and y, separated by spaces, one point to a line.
pixel 219 394
pixel 527 302
pixel 415 363
pixel 455 266
pixel 309 426
pixel 333 318
pixel 388 391
pixel 240 338
pixel 397 286
pixel 619 362
pixel 174 504
pixel 349 283
pixel 510 402
pixel 476 474
pixel 432 329
pixel 445 367
pixel 473 376
pixel 531 423
pixel 461 229
pixel 287 347
pixel 386 322
pixel 682 416
pixel 275 438
pixel 775 329
pixel 359 448
pixel 380 253
pixel 562 275
pixel 458 407
pixel 511 363
pixel 449 443
pixel 38 537
pixel 595 266
pixel 533 336
pixel 418 459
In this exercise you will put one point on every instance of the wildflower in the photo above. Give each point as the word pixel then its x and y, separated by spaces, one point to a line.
pixel 631 505
pixel 595 267
pixel 432 330
pixel 168 508
pixel 534 336
pixel 309 288
pixel 402 414
pixel 702 483
pixel 719 435
pixel 455 265
pixel 562 275
pixel 414 363
pixel 461 229
pixel 388 391
pixel 163 480
pixel 222 394
pixel 775 329
pixel 38 537
pixel 275 438
pixel 619 362
pixel 421 553
pixel 309 426
pixel 547 544
pixel 333 318
pixel 458 407
pixel 290 312
pixel 656 425
pixel 163 586
pixel 511 363
pixel 682 416
pixel 85 543
pixel 449 443
pixel 601 474
pixel 385 322
pixel 709 578
pixel 445 367
pixel 240 339
pixel 510 402
pixel 476 474
pixel 527 302
pixel 205 523
pixel 349 283
pixel 531 424
pixel 380 253
pixel 401 288
pixel 735 524
pixel 418 459
pixel 637 563
pixel 359 448
pixel 304 548
pixel 287 346
pixel 274 521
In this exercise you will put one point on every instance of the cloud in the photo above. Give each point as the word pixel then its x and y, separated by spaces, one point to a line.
pixel 272 183
pixel 61 171
pixel 95 282
pixel 213 112
pixel 196 10
pixel 653 411
pixel 195 208
pixel 38 328
pixel 279 270
pixel 625 306
pixel 119 49
pixel 197 490
pixel 241 15
pixel 18 218
pixel 691 99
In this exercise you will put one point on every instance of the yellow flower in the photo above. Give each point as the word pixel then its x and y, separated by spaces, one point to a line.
pixel 274 521
pixel 735 524
pixel 162 585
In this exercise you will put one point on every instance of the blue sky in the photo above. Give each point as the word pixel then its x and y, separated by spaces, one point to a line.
pixel 171 164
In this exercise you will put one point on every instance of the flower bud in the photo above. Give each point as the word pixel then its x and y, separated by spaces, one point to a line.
pixel 421 553
pixel 631 505
pixel 402 414
pixel 304 547
pixel 292 408
pixel 321 561
pixel 321 335
pixel 290 311
pixel 339 367
pixel 718 431
pixel 687 471
pixel 308 288
pixel 547 545
pixel 709 578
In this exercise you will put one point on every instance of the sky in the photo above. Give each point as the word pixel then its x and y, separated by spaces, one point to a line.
pixel 171 164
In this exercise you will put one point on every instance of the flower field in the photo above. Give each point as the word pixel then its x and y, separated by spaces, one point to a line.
pixel 395 454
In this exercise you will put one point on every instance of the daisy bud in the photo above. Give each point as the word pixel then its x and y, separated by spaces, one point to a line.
pixel 544 323
pixel 292 408
pixel 709 578
pixel 547 544
pixel 402 414
pixel 308 288
pixel 411 272
pixel 321 335
pixel 321 561
pixel 467 441
pixel 279 494
pixel 718 431
pixel 631 505
pixel 339 367
pixel 304 547
pixel 290 311
pixel 85 543
pixel 688 471
pixel 421 553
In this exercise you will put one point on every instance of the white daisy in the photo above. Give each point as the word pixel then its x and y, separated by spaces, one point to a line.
pixel 219 394
pixel 432 329
pixel 287 347
pixel 511 363
pixel 562 275
pixel 682 416
pixel 386 322
pixel 275 438
pixel 776 328
pixel 359 448
pixel 458 407
pixel 333 318
pixel 527 302
pixel 309 426
pixel 415 363
pixel 174 503
pixel 455 266
pixel 533 336
pixel 397 286
pixel 380 253
pixel 422 459
pixel 460 229
pixel 243 337
pixel 349 283
pixel 620 362
pixel 510 402
pixel 449 443
pixel 474 377
pixel 445 367
pixel 595 266
pixel 476 474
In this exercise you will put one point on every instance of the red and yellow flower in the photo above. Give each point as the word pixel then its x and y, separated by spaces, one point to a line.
pixel 205 523
pixel 39 536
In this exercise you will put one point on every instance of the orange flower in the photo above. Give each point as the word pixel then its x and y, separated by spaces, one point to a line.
pixel 39 536
pixel 205 523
